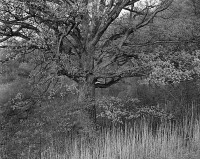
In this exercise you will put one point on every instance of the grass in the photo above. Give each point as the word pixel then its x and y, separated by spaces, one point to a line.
pixel 131 142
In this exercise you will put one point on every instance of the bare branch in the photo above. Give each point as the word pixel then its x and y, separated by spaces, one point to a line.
pixel 4 39
pixel 114 13
pixel 163 6
pixel 145 21
pixel 114 37
pixel 126 32
pixel 62 36
pixel 13 34
pixel 129 31
pixel 119 58
pixel 17 21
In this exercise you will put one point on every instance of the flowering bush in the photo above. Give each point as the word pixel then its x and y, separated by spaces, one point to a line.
pixel 112 108
pixel 117 110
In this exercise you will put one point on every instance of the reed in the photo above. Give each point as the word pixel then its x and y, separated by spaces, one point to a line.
pixel 131 142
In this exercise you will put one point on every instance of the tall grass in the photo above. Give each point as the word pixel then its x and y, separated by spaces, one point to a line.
pixel 132 142
pixel 139 140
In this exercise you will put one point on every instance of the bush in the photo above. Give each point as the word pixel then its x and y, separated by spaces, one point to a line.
pixel 116 110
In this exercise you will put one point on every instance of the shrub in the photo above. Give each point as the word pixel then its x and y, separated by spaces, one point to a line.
pixel 116 110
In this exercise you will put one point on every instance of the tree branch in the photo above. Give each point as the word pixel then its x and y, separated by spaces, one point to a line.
pixel 109 79
pixel 135 72
pixel 131 30
pixel 73 76
pixel 106 83
pixel 17 21
pixel 4 39
pixel 114 37
pixel 145 21
pixel 126 32
pixel 114 13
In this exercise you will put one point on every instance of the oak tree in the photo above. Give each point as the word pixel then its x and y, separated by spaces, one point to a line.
pixel 83 40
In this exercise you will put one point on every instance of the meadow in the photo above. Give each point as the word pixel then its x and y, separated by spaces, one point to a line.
pixel 136 141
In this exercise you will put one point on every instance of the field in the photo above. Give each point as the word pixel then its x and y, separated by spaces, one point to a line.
pixel 138 140
pixel 131 142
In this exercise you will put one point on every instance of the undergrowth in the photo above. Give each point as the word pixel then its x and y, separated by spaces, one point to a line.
pixel 136 141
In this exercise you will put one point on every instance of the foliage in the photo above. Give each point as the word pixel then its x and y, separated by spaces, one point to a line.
pixel 113 109
pixel 118 111
pixel 171 67
pixel 57 34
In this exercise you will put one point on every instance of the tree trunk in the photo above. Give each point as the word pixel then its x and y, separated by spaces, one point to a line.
pixel 86 98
